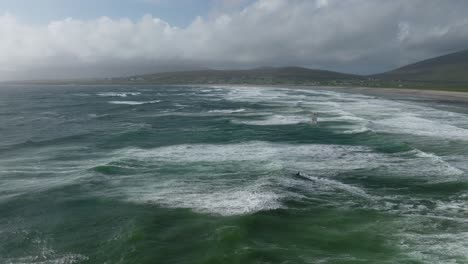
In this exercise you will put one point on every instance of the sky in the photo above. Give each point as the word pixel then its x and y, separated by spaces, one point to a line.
pixel 55 39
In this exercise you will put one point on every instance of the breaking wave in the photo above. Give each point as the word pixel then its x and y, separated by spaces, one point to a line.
pixel 133 102
pixel 118 94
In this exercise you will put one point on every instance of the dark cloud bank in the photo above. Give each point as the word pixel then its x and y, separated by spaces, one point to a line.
pixel 354 36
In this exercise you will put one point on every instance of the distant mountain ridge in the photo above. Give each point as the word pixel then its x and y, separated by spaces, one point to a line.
pixel 443 71
pixel 448 72
pixel 262 75
pixel 447 68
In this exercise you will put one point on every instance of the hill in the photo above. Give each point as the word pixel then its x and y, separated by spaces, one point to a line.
pixel 264 75
pixel 448 72
pixel 449 69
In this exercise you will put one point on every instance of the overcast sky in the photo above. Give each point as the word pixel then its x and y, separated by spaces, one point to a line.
pixel 101 38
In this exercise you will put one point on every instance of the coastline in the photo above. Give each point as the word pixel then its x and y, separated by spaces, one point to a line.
pixel 389 93
pixel 405 94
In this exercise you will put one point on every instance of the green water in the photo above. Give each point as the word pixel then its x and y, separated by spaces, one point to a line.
pixel 154 174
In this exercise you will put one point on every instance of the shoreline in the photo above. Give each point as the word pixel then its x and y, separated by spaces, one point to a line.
pixel 389 93
pixel 406 94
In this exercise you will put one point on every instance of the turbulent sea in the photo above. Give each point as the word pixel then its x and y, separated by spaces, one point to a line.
pixel 207 174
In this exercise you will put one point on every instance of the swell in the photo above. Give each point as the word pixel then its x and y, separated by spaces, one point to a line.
pixel 217 182
pixel 48 142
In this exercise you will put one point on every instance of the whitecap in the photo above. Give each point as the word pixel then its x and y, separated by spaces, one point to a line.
pixel 42 259
pixel 326 159
pixel 277 120
pixel 118 94
pixel 414 125
pixel 81 94
pixel 334 184
pixel 133 102
pixel 227 111
pixel 359 130
pixel 260 181
pixel 435 248
pixel 228 201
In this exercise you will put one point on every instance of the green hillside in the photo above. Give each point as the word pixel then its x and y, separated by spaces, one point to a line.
pixel 266 75
pixel 448 72
pixel 448 69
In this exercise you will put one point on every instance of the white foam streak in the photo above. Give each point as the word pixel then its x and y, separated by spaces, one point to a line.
pixel 362 113
pixel 246 192
pixel 333 184
pixel 240 193
pixel 422 127
pixel 230 201
pixel 277 120
pixel 227 111
pixel 445 248
pixel 133 102
pixel 118 94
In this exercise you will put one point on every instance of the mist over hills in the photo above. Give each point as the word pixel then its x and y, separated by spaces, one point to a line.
pixel 262 75
pixel 448 72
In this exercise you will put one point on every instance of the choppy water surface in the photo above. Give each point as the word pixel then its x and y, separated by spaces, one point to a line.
pixel 152 174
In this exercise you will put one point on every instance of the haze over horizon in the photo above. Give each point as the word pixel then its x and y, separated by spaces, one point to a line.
pixel 66 39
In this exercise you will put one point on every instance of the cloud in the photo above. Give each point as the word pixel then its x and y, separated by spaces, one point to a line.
pixel 348 35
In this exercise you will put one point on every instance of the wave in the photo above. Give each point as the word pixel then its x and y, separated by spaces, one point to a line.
pixel 81 94
pixel 277 120
pixel 255 94
pixel 414 125
pixel 43 142
pixel 227 111
pixel 118 94
pixel 42 252
pixel 323 160
pixel 434 248
pixel 227 202
pixel 41 258
pixel 133 102
pixel 93 115
pixel 254 150
pixel 334 184
pixel 268 164
pixel 39 170
pixel 415 215
pixel 443 166
pixel 337 115
pixel 360 130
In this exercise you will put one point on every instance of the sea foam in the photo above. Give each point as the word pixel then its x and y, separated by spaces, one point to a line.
pixel 226 191
pixel 408 124
pixel 118 94
pixel 227 111
pixel 133 102
pixel 277 120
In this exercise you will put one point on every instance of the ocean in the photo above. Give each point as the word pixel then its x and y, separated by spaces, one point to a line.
pixel 220 174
